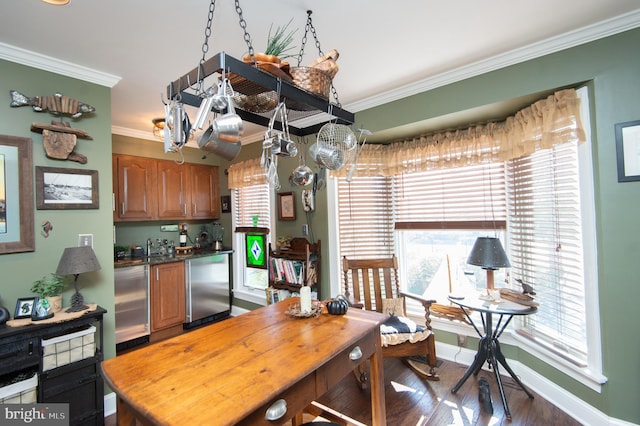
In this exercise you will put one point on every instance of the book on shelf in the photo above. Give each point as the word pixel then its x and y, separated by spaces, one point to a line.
pixel 290 271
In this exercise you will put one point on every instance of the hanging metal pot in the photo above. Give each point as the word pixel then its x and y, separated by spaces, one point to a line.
pixel 301 175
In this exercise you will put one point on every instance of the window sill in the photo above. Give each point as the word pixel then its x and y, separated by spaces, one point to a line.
pixel 254 296
pixel 591 379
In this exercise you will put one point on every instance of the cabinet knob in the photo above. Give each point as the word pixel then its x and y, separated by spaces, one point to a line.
pixel 276 411
pixel 355 354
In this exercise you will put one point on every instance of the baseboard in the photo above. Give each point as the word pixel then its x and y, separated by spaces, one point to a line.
pixel 566 401
pixel 109 404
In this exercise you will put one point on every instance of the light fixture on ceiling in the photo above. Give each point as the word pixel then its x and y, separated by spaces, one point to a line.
pixel 158 127
pixel 57 2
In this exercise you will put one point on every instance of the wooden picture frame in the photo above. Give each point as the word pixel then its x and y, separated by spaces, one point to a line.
pixel 66 189
pixel 25 306
pixel 628 150
pixel 16 201
pixel 286 206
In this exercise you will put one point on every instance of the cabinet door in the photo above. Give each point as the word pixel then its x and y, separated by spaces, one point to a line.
pixel 173 190
pixel 167 295
pixel 136 191
pixel 204 192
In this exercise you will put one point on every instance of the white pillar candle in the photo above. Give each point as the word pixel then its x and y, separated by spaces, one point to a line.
pixel 305 299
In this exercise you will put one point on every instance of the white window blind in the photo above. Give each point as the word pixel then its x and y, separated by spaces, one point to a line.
pixel 365 211
pixel 545 246
pixel 250 201
pixel 470 197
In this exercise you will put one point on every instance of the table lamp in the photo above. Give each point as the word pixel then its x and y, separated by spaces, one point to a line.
pixel 75 261
pixel 487 253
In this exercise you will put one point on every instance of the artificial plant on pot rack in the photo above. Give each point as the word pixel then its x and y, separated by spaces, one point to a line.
pixel 50 288
pixel 278 44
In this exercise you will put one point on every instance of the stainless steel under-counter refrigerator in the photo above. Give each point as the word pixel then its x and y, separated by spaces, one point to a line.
pixel 208 290
pixel 132 305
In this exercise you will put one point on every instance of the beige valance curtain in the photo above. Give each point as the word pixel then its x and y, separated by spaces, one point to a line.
pixel 547 122
pixel 246 173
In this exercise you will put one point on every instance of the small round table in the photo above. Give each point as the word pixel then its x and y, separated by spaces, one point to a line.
pixel 489 346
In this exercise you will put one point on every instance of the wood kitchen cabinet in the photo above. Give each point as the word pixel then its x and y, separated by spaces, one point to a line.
pixel 151 189
pixel 204 191
pixel 134 188
pixel 167 288
pixel 173 190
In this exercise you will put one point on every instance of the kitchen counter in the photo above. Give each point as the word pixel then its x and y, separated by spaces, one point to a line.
pixel 158 259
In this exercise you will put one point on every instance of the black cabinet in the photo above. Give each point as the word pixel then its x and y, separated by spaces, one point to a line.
pixel 78 383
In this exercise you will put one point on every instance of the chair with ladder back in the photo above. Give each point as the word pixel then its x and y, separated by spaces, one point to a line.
pixel 373 284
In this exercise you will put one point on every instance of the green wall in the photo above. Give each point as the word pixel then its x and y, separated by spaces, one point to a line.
pixel 611 67
pixel 19 270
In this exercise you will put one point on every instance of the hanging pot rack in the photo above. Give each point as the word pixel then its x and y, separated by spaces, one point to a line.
pixel 307 111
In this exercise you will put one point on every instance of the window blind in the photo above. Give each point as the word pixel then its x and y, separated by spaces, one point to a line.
pixel 365 227
pixel 470 197
pixel 545 246
pixel 250 201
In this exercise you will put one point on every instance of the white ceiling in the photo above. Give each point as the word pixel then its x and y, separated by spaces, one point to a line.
pixel 387 49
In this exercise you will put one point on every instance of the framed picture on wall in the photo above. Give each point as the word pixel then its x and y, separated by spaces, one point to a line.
pixel 16 201
pixel 65 189
pixel 628 150
pixel 286 206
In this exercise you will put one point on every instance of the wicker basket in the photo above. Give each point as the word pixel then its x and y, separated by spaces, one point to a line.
pixel 312 80
pixel 260 103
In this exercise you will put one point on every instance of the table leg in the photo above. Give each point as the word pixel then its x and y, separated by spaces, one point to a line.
pixel 496 372
pixel 378 408
pixel 478 362
pixel 503 361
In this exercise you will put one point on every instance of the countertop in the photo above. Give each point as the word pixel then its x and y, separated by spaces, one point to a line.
pixel 157 259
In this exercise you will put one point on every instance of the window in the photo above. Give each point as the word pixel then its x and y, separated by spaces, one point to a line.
pixel 248 203
pixel 540 205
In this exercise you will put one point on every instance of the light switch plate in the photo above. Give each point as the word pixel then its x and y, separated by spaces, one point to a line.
pixel 85 240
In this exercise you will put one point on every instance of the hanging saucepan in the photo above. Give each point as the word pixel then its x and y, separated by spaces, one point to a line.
pixel 223 135
pixel 179 124
pixel 301 175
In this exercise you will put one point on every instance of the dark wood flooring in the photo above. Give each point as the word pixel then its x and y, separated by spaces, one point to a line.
pixel 413 401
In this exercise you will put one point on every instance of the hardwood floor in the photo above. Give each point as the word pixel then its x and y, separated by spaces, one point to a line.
pixel 416 402
pixel 413 401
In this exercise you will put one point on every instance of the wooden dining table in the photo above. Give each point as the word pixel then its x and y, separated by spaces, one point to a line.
pixel 235 371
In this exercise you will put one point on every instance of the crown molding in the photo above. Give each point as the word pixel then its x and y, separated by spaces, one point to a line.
pixel 574 38
pixel 47 63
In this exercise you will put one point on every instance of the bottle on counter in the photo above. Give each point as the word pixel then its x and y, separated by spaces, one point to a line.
pixel 183 237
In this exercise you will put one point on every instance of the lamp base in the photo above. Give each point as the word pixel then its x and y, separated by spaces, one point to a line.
pixel 77 303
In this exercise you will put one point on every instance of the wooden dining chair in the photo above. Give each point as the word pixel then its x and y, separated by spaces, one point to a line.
pixel 373 284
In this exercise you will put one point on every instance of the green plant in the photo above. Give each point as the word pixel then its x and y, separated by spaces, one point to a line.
pixel 280 42
pixel 48 286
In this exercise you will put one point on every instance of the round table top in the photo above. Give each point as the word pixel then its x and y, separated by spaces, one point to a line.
pixel 503 307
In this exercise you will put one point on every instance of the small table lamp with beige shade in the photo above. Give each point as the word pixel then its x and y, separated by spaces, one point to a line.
pixel 487 253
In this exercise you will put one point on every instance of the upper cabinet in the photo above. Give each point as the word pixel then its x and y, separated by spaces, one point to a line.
pixel 150 189
pixel 135 188
pixel 204 191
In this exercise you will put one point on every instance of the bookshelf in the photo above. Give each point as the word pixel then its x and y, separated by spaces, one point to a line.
pixel 290 268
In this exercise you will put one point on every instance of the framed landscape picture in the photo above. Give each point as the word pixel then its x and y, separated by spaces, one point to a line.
pixel 60 188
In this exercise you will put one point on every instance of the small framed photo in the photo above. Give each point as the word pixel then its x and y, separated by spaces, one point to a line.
pixel 225 203
pixel 628 150
pixel 286 206
pixel 25 306
pixel 66 189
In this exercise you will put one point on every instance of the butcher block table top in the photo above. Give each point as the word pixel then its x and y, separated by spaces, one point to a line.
pixel 230 372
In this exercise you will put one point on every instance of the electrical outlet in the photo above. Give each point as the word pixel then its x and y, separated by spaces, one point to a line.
pixel 462 340
pixel 305 229
pixel 85 240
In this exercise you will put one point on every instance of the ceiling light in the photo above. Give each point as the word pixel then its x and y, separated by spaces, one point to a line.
pixel 158 127
pixel 57 2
